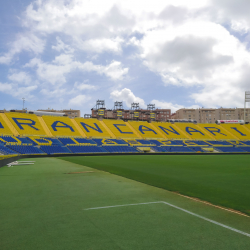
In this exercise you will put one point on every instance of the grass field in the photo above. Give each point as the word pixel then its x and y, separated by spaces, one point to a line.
pixel 44 207
pixel 220 179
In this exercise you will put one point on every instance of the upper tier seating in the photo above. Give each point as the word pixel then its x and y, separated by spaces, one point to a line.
pixel 92 128
pixel 56 149
pixel 4 128
pixel 193 131
pixel 120 129
pixel 169 130
pixel 86 149
pixel 145 129
pixel 217 132
pixel 109 142
pixel 230 149
pixel 26 124
pixel 61 126
pixel 240 131
pixel 120 149
pixel 28 150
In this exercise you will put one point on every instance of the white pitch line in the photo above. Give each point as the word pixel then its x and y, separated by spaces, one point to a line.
pixel 206 219
pixel 125 205
pixel 179 208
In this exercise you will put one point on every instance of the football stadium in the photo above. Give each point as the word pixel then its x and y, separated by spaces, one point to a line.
pixel 113 184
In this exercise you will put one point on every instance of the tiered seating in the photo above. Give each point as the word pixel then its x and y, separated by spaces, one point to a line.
pixel 54 141
pixel 67 141
pixel 86 149
pixel 247 149
pixel 220 143
pixel 145 129
pixel 84 141
pixel 176 149
pixel 169 130
pixel 245 142
pixel 110 142
pixel 167 142
pixel 28 150
pixel 197 149
pixel 237 130
pixel 120 149
pixel 36 140
pixel 120 128
pixel 134 142
pixel 4 129
pixel 7 151
pixel 26 124
pixel 193 131
pixel 92 128
pixel 230 149
pixel 56 149
pixel 9 139
pixel 158 149
pixel 195 143
pixel 61 126
pixel 217 132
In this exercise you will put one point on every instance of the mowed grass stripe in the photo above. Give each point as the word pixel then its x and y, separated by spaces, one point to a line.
pixel 220 179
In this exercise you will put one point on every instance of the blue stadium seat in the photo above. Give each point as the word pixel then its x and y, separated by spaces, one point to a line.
pixel 56 149
pixel 109 141
pixel 120 149
pixel 25 149
pixel 230 149
pixel 66 141
pixel 158 149
pixel 176 149
pixel 247 149
pixel 196 149
pixel 86 149
pixel 216 143
pixel 84 140
pixel 7 151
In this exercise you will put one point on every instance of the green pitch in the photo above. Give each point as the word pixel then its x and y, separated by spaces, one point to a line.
pixel 220 179
pixel 44 207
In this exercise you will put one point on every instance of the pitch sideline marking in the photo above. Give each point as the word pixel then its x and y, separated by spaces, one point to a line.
pixel 125 205
pixel 179 208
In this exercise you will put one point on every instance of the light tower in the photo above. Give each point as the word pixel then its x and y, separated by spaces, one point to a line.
pixel 247 99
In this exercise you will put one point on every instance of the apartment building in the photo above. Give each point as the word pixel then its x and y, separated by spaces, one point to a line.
pixel 144 114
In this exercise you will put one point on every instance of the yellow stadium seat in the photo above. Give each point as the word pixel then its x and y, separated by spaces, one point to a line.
pixel 61 126
pixel 237 130
pixel 170 130
pixel 4 129
pixel 217 131
pixel 193 131
pixel 145 129
pixel 26 124
pixel 92 128
pixel 120 129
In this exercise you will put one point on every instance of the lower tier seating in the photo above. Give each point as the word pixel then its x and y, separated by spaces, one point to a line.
pixel 86 149
pixel 120 149
pixel 55 149
pixel 7 151
pixel 178 149
pixel 230 149
pixel 26 150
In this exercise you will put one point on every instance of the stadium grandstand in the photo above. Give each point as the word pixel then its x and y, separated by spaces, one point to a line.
pixel 34 134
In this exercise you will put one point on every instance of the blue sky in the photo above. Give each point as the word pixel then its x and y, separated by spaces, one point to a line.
pixel 64 54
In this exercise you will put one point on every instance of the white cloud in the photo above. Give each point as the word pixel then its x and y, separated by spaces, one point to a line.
pixel 127 96
pixel 20 77
pixel 24 42
pixel 61 46
pixel 84 86
pixel 79 100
